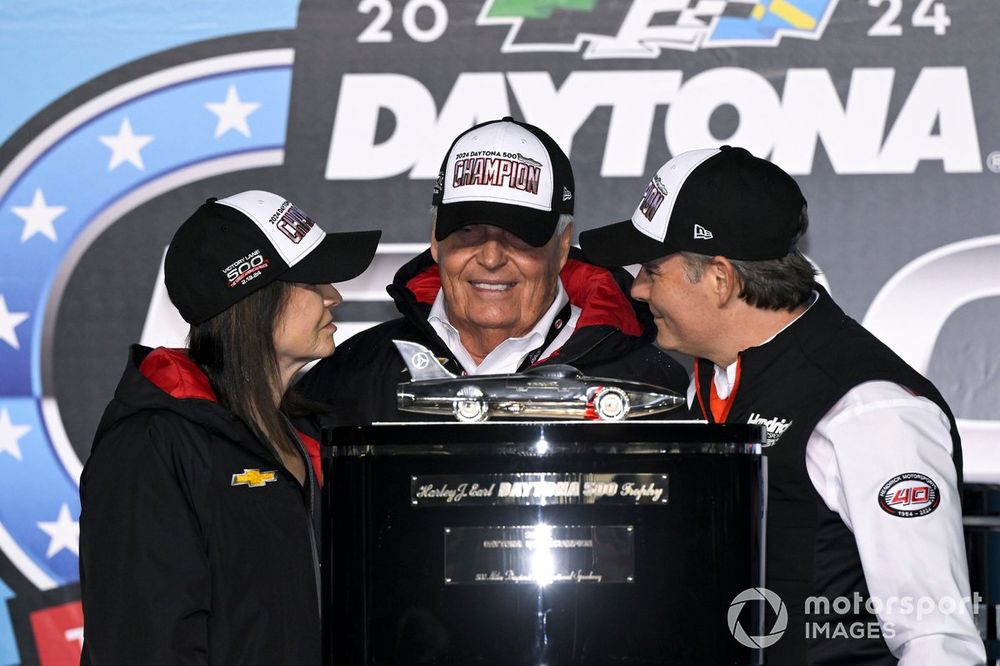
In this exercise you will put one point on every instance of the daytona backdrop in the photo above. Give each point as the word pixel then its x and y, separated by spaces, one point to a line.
pixel 117 121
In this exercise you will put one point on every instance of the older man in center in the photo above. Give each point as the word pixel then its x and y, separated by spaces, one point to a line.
pixel 500 288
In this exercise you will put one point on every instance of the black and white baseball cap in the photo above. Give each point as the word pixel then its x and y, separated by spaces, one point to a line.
pixel 505 173
pixel 232 247
pixel 720 201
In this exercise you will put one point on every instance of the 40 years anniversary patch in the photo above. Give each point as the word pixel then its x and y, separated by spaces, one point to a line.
pixel 909 495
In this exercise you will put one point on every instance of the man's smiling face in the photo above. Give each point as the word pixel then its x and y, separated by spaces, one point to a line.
pixel 683 309
pixel 496 283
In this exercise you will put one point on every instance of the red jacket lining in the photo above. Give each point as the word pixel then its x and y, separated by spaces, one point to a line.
pixel 590 288
pixel 173 372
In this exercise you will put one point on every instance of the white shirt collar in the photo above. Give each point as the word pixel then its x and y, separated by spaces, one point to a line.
pixel 510 353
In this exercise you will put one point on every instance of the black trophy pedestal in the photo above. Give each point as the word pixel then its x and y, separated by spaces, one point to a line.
pixel 528 543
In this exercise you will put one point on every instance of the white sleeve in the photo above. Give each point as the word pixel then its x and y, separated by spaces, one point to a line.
pixel 914 566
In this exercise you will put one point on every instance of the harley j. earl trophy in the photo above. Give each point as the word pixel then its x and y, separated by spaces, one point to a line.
pixel 528 542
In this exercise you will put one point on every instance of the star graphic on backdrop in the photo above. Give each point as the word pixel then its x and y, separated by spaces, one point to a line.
pixel 38 217
pixel 8 322
pixel 64 533
pixel 232 113
pixel 10 434
pixel 126 146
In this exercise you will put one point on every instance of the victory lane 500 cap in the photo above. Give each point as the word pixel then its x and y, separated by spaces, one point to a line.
pixel 505 173
pixel 232 247
pixel 714 202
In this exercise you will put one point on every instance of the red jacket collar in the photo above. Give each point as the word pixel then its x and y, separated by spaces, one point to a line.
pixel 590 288
pixel 172 371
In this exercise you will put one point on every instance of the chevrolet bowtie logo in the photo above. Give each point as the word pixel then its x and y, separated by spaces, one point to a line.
pixel 254 478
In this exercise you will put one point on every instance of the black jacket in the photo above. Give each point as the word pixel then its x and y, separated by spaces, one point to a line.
pixel 196 545
pixel 612 339
pixel 797 377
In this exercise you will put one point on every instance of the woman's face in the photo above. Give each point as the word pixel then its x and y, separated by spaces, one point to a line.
pixel 304 329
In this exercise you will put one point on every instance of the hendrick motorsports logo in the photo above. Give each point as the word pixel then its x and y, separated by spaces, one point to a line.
pixel 645 27
pixel 909 495
pixel 757 594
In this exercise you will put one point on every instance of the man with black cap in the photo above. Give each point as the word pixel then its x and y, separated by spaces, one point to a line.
pixel 500 289
pixel 864 458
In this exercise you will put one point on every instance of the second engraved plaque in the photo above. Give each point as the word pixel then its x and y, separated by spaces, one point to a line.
pixel 540 554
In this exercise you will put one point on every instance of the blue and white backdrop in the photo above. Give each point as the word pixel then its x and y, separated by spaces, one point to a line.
pixel 117 119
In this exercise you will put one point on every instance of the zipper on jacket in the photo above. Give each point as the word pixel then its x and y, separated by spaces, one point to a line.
pixel 310 510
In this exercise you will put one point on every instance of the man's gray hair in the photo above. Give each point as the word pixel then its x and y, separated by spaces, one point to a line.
pixel 565 220
pixel 772 284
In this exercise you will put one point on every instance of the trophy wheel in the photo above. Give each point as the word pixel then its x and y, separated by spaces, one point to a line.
pixel 611 404
pixel 470 407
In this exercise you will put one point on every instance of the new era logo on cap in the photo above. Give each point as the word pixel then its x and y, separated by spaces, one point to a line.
pixel 652 217
pixel 719 201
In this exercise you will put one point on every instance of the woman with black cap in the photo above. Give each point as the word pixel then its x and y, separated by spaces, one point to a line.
pixel 198 532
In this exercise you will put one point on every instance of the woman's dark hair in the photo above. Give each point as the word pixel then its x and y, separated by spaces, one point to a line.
pixel 236 350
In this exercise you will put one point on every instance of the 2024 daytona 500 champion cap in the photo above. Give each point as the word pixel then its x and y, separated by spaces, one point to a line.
pixel 720 201
pixel 232 247
pixel 505 173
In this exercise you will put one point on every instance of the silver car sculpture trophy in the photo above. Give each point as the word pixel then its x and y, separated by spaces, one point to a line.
pixel 542 392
